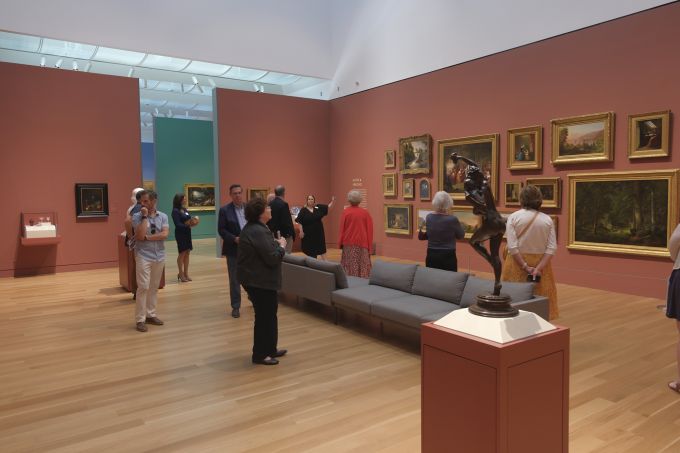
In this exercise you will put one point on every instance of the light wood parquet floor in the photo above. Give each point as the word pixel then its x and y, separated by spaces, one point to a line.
pixel 75 375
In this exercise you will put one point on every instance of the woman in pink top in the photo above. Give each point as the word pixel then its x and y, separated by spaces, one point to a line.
pixel 356 237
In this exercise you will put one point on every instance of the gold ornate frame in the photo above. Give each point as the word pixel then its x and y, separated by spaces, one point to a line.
pixel 401 231
pixel 429 190
pixel 403 161
pixel 408 195
pixel 671 178
pixel 537 163
pixel 464 213
pixel 385 178
pixel 393 153
pixel 261 192
pixel 199 186
pixel 556 184
pixel 450 145
pixel 608 144
pixel 418 217
pixel 634 135
pixel 505 192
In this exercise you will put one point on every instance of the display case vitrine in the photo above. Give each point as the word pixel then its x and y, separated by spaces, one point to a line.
pixel 39 228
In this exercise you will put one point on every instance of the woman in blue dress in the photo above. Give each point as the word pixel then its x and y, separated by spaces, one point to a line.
pixel 183 225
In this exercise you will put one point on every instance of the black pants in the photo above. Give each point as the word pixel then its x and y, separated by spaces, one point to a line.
pixel 442 259
pixel 266 331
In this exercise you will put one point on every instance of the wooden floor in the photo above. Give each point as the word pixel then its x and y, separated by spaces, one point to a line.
pixel 76 376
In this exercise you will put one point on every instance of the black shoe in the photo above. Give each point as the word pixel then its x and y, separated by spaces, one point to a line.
pixel 235 313
pixel 154 320
pixel 266 361
pixel 280 353
pixel 141 327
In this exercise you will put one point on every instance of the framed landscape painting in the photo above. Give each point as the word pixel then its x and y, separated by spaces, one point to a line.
pixel 648 135
pixel 525 148
pixel 550 190
pixel 623 212
pixel 424 190
pixel 258 192
pixel 422 215
pixel 482 149
pixel 390 159
pixel 200 197
pixel 582 139
pixel 408 189
pixel 511 193
pixel 398 218
pixel 92 200
pixel 415 155
pixel 389 184
pixel 468 220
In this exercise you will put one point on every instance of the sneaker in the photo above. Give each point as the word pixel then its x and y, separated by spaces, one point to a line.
pixel 235 313
pixel 155 321
pixel 141 327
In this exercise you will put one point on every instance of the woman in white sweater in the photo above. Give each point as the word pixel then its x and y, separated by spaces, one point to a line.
pixel 673 298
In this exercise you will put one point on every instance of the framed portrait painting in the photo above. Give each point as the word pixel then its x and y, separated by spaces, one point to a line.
pixel 623 212
pixel 258 192
pixel 511 193
pixel 482 149
pixel 389 184
pixel 92 200
pixel 415 155
pixel 424 190
pixel 200 197
pixel 390 159
pixel 582 139
pixel 648 135
pixel 525 148
pixel 398 219
pixel 408 188
pixel 550 190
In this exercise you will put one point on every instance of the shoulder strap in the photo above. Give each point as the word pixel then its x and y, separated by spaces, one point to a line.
pixel 528 225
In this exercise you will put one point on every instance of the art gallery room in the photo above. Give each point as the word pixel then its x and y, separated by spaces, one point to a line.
pixel 386 112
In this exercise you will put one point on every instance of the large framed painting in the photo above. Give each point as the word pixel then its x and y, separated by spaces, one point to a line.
pixel 92 200
pixel 525 148
pixel 623 212
pixel 482 149
pixel 200 197
pixel 422 215
pixel 390 159
pixel 550 190
pixel 582 139
pixel 389 184
pixel 648 135
pixel 398 219
pixel 511 193
pixel 415 155
pixel 408 188
pixel 424 190
pixel 258 192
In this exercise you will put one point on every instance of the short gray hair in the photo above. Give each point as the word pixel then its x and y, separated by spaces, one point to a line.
pixel 354 197
pixel 442 201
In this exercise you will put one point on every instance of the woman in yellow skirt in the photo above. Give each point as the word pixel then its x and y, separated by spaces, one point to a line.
pixel 531 246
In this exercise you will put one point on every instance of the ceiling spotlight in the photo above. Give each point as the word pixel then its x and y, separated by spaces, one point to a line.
pixel 58 63
pixel 212 83
pixel 156 111
pixel 42 62
pixel 194 79
pixel 255 87
pixel 130 72
pixel 261 88
pixel 88 66
pixel 169 115
pixel 75 65
pixel 186 114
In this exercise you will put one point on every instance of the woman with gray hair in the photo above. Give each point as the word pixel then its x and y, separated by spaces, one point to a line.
pixel 441 231
pixel 356 237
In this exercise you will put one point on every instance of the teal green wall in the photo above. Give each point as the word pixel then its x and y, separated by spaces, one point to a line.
pixel 184 154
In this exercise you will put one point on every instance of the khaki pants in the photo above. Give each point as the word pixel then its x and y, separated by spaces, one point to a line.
pixel 148 278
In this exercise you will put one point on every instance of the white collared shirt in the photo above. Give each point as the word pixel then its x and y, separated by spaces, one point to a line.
pixel 539 239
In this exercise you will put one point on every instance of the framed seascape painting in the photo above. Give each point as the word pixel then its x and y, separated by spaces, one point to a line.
pixel 550 190
pixel 408 189
pixel 424 190
pixel 389 184
pixel 258 192
pixel 390 159
pixel 422 215
pixel 648 135
pixel 511 193
pixel 623 212
pixel 398 219
pixel 200 197
pixel 415 155
pixel 92 200
pixel 482 149
pixel 582 139
pixel 525 148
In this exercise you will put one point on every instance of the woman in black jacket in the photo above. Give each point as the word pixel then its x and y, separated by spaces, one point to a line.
pixel 259 272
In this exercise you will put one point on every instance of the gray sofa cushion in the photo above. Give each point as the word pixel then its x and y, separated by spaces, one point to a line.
pixel 353 282
pixel 518 292
pixel 300 260
pixel 410 310
pixel 439 284
pixel 329 266
pixel 360 298
pixel 393 275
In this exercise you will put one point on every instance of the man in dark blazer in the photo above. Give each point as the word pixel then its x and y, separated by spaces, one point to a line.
pixel 230 222
pixel 281 221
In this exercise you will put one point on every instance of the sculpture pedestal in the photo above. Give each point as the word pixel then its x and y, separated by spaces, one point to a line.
pixel 482 396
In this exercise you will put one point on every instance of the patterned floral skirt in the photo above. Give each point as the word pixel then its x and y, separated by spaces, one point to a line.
pixel 356 261
pixel 546 287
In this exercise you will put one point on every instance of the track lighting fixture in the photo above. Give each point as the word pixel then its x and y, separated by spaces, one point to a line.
pixel 130 72
pixel 88 66
pixel 58 63
pixel 169 115
pixel 156 111
pixel 42 62
pixel 74 65
pixel 212 83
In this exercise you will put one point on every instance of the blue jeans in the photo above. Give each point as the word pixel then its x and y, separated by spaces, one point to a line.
pixel 234 286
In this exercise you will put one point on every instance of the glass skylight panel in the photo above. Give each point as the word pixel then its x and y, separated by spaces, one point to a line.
pixel 180 105
pixel 203 108
pixel 210 69
pixel 67 49
pixel 19 42
pixel 244 73
pixel 152 102
pixel 125 57
pixel 166 63
pixel 277 78
pixel 169 86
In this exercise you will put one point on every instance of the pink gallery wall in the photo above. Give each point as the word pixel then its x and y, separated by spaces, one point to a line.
pixel 627 66
pixel 265 140
pixel 60 128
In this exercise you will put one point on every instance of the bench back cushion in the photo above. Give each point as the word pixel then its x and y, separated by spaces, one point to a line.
pixel 294 259
pixel 329 266
pixel 474 286
pixel 393 275
pixel 439 284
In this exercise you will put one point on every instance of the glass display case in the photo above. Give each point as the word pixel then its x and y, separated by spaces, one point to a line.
pixel 39 228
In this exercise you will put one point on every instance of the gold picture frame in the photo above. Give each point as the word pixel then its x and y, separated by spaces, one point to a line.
pixel 422 215
pixel 511 192
pixel 468 220
pixel 389 184
pixel 408 188
pixel 623 212
pixel 415 155
pixel 200 197
pixel 648 135
pixel 258 192
pixel 482 149
pixel 390 159
pixel 583 139
pixel 550 190
pixel 525 148
pixel 398 218
pixel 425 190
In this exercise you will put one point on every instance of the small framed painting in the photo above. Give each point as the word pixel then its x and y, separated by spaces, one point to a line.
pixel 92 200
pixel 200 197
pixel 550 190
pixel 398 219
pixel 422 215
pixel 389 184
pixel 525 148
pixel 390 159
pixel 424 190
pixel 583 139
pixel 511 193
pixel 258 192
pixel 407 188
pixel 648 135
pixel 415 155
